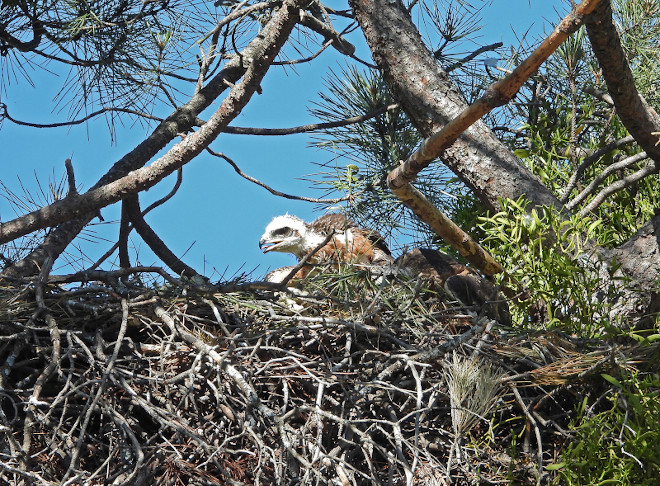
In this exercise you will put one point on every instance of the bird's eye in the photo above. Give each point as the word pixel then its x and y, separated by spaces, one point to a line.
pixel 286 231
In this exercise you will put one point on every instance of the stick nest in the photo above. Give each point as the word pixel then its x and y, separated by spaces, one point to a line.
pixel 348 383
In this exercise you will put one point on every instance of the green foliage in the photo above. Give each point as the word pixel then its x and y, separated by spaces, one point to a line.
pixel 639 24
pixel 545 252
pixel 363 155
pixel 618 445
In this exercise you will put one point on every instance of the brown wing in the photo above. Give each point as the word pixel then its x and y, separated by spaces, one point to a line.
pixel 332 222
pixel 464 283
pixel 363 245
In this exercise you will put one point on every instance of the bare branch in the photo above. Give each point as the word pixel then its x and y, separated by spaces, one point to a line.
pixel 622 164
pixel 71 178
pixel 270 189
pixel 5 114
pixel 472 55
pixel 132 208
pixel 312 126
pixel 448 230
pixel 588 161
pixel 619 185
pixel 331 36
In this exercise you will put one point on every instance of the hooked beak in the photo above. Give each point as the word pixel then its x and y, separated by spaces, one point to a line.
pixel 267 246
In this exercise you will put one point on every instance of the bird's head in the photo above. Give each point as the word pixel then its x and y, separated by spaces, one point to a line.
pixel 287 234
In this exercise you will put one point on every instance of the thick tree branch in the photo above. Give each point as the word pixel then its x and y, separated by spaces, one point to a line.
pixel 637 116
pixel 461 126
pixel 431 100
pixel 496 95
pixel 160 249
pixel 261 50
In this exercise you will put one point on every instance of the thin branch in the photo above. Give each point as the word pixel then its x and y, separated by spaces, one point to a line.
pixel 4 114
pixel 587 162
pixel 622 164
pixel 468 58
pixel 270 189
pixel 129 228
pixel 331 36
pixel 646 171
pixel 160 249
pixel 312 126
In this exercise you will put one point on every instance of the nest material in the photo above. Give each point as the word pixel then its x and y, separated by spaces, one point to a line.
pixel 126 384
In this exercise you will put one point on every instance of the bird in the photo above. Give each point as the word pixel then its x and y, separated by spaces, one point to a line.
pixel 463 283
pixel 337 238
pixel 333 238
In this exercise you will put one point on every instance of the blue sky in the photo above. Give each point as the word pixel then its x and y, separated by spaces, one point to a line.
pixel 216 218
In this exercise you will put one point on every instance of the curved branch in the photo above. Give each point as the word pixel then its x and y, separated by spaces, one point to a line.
pixel 619 185
pixel 587 162
pixel 270 189
pixel 160 249
pixel 331 36
pixel 5 114
pixel 622 164
pixel 260 51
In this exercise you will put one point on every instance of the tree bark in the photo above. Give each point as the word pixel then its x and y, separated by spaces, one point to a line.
pixel 431 100
pixel 487 166
pixel 637 116
pixel 265 46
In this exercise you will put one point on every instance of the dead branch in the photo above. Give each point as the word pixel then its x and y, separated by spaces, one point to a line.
pixel 312 126
pixel 448 230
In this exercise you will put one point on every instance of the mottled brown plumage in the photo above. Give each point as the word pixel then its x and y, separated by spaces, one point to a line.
pixel 346 242
pixel 464 283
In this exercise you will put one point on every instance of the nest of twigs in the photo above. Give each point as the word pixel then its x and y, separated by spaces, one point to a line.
pixel 119 382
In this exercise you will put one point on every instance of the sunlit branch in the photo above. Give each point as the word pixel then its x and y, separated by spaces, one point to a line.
pixel 627 181
pixel 270 189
